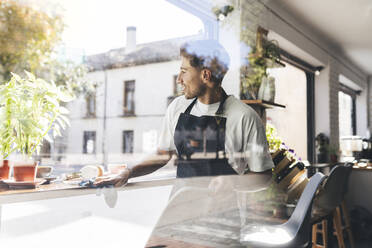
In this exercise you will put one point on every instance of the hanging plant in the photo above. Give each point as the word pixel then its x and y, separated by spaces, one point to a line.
pixel 265 54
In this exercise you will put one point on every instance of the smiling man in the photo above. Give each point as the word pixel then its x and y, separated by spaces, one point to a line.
pixel 211 133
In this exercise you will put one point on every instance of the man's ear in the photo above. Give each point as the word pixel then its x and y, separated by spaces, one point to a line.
pixel 206 75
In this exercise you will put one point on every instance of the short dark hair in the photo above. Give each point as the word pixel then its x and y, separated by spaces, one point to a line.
pixel 207 54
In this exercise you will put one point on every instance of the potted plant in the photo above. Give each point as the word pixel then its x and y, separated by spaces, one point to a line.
pixel 264 54
pixel 333 152
pixel 4 169
pixel 322 143
pixel 30 111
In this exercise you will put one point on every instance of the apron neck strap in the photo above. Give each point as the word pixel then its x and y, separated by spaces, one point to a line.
pixel 220 107
pixel 188 110
pixel 224 97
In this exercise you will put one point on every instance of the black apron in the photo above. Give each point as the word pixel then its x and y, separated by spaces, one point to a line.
pixel 203 137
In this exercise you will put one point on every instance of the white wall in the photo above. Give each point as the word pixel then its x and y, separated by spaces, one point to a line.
pixel 153 84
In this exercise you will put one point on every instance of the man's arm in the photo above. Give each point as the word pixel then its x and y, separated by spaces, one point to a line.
pixel 147 166
pixel 151 164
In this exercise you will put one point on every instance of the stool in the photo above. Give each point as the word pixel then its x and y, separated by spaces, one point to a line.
pixel 329 204
pixel 323 232
pixel 340 227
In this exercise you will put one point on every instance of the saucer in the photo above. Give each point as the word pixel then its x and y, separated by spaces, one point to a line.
pixel 24 184
pixel 47 180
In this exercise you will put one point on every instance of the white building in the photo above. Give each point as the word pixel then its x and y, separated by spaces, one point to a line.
pixel 135 84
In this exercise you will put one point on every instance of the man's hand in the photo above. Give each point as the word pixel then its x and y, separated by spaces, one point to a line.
pixel 117 180
pixel 147 166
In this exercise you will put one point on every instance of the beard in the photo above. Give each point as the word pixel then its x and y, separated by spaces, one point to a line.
pixel 192 93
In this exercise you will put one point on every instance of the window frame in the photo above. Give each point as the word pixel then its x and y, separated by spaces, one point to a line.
pixel 88 99
pixel 131 149
pixel 126 92
pixel 85 141
pixel 353 94
pixel 309 71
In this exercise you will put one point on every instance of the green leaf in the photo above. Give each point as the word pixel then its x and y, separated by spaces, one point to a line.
pixel 51 100
pixel 29 109
pixel 30 76
pixel 16 77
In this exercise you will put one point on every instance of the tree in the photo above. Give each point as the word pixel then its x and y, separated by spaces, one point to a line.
pixel 27 37
pixel 28 40
pixel 70 75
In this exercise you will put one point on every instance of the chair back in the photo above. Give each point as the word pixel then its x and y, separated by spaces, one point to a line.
pixel 299 222
pixel 335 188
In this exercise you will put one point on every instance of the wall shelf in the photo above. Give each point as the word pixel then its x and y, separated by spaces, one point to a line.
pixel 260 107
pixel 263 103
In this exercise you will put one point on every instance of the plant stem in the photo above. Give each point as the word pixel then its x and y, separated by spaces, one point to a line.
pixel 42 137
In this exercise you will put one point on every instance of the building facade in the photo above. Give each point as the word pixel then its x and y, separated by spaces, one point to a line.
pixel 122 120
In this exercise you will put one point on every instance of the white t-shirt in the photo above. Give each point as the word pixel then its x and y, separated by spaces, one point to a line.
pixel 245 139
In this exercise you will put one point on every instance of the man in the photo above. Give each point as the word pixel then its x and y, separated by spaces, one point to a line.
pixel 211 133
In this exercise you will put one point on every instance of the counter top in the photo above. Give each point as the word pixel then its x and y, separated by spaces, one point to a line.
pixel 60 189
pixel 106 218
pixel 199 216
pixel 195 212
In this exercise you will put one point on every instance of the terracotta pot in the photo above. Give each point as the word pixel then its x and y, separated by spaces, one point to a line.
pixel 5 169
pixel 333 158
pixel 25 172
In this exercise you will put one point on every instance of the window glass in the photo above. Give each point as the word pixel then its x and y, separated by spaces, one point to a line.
pixel 122 61
pixel 290 90
pixel 128 141
pixel 120 93
pixel 122 71
pixel 345 114
pixel 89 143
pixel 129 97
pixel 91 105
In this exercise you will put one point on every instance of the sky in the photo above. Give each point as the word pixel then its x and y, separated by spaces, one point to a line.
pixel 97 26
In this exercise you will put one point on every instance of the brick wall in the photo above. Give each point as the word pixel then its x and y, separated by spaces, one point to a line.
pixel 253 14
pixel 333 102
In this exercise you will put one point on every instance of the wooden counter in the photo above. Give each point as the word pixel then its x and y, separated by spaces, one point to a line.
pixel 60 189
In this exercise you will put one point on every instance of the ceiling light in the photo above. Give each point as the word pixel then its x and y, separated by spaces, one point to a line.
pixel 221 13
pixel 318 69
